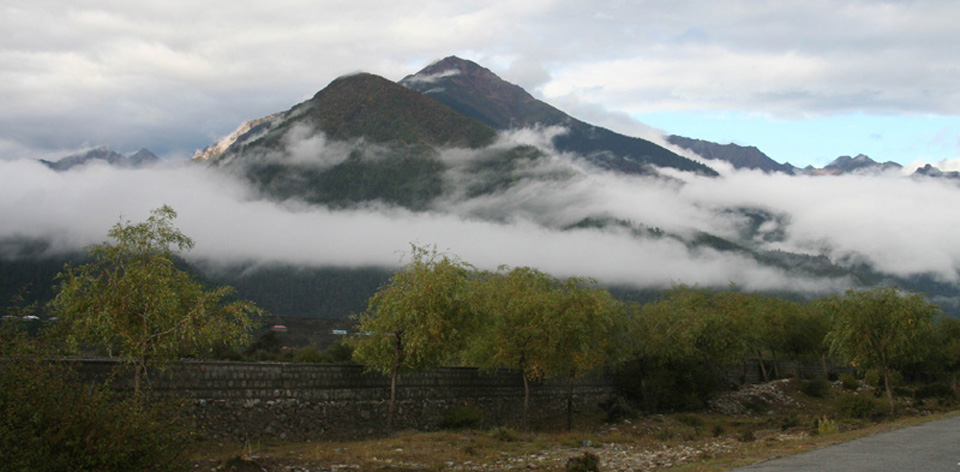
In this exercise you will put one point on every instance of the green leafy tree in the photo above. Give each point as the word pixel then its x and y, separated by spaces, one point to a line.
pixel 681 346
pixel 879 328
pixel 135 302
pixel 543 328
pixel 418 320
pixel 518 309
pixel 583 332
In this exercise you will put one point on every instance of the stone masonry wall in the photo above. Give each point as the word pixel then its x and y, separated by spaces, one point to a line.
pixel 262 401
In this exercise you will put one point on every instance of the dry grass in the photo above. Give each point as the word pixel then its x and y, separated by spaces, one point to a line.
pixel 719 442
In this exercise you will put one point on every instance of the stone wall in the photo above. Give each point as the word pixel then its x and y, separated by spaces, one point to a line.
pixel 260 401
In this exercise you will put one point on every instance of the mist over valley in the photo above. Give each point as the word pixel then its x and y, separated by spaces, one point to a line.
pixel 323 199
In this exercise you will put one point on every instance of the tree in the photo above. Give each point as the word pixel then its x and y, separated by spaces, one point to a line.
pixel 133 300
pixel 681 346
pixel 879 328
pixel 419 319
pixel 518 308
pixel 543 328
pixel 583 332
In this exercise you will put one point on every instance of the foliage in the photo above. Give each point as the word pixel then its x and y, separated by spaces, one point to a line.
pixel 616 409
pixel 940 390
pixel 683 343
pixel 588 462
pixel 816 388
pixel 133 300
pixel 505 434
pixel 50 421
pixel 849 382
pixel 880 328
pixel 419 319
pixel 542 327
pixel 858 406
pixel 462 417
pixel 826 426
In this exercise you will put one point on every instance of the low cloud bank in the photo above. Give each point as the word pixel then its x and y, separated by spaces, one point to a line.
pixel 900 225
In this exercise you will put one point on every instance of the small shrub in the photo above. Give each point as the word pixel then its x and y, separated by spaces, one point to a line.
pixel 665 434
pixel 789 422
pixel 858 406
pixel 849 382
pixel 308 355
pixel 747 436
pixel 462 417
pixel 504 434
pixel 942 391
pixel 616 409
pixel 588 462
pixel 718 430
pixel 816 388
pixel 826 426
pixel 690 420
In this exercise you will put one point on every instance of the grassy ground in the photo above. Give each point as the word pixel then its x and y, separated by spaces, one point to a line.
pixel 772 425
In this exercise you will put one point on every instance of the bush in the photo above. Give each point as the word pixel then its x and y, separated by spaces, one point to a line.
pixel 858 406
pixel 940 390
pixel 657 385
pixel 588 462
pixel 849 382
pixel 816 388
pixel 789 422
pixel 49 421
pixel 308 355
pixel 504 434
pixel 462 417
pixel 826 426
pixel 690 420
pixel 616 409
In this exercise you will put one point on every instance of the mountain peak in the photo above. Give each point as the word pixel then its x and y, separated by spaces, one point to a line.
pixel 478 93
pixel 103 154
pixel 369 106
pixel 742 157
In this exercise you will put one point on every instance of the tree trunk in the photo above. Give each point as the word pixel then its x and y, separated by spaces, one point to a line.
pixel 826 371
pixel 570 403
pixel 763 368
pixel 886 383
pixel 393 398
pixel 776 364
pixel 526 401
pixel 398 361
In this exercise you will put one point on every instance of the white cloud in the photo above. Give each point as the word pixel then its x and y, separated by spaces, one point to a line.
pixel 902 226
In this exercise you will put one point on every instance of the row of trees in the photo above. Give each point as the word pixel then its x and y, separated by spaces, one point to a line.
pixel 440 310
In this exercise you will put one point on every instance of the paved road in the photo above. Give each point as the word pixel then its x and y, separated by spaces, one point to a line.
pixel 930 447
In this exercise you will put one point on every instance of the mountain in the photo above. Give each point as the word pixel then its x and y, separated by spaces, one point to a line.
pixel 362 138
pixel 858 164
pixel 478 93
pixel 932 171
pixel 104 154
pixel 742 157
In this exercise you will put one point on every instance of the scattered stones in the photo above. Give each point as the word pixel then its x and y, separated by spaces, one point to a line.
pixel 748 398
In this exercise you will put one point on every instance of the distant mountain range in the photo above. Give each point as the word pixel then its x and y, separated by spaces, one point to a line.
pixel 444 140
pixel 742 157
pixel 104 154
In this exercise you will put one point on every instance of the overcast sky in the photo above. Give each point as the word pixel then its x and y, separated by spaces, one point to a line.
pixel 804 80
